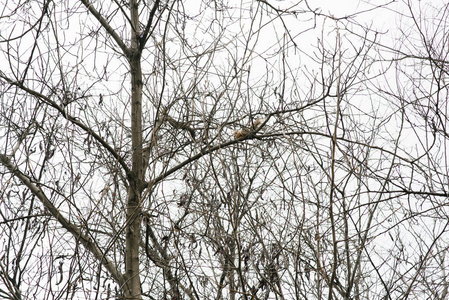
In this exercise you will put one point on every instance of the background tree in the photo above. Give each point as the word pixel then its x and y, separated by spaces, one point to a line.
pixel 203 150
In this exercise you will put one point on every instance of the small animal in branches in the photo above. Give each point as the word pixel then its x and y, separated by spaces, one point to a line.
pixel 179 125
pixel 247 131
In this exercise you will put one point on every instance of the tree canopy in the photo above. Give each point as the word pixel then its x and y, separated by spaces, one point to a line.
pixel 203 149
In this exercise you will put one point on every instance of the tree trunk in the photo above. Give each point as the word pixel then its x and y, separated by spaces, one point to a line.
pixel 134 192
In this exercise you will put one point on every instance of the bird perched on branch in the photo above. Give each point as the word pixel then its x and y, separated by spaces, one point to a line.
pixel 178 124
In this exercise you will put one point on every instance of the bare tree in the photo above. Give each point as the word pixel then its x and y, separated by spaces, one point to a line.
pixel 177 150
